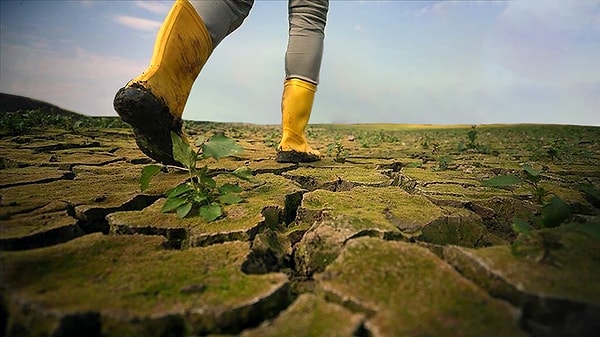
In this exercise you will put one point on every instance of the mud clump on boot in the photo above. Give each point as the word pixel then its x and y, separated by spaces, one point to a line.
pixel 296 157
pixel 151 120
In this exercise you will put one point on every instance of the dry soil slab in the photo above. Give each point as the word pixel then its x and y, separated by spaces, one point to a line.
pixel 409 291
pixel 336 178
pixel 333 218
pixel 131 286
pixel 309 316
pixel 40 214
pixel 561 298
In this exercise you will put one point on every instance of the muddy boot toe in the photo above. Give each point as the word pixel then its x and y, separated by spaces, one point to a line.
pixel 296 157
pixel 151 121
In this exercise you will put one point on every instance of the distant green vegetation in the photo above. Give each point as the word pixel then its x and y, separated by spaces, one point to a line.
pixel 531 159
pixel 23 122
pixel 20 115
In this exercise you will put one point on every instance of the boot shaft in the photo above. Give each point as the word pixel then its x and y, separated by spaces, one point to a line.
pixel 296 107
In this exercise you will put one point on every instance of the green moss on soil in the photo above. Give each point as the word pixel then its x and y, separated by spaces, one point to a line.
pixel 412 292
pixel 28 225
pixel 401 287
pixel 240 219
pixel 570 195
pixel 458 192
pixel 310 316
pixel 577 276
pixel 448 176
pixel 123 277
pixel 459 227
pixel 320 176
pixel 31 175
pixel 368 208
pixel 111 189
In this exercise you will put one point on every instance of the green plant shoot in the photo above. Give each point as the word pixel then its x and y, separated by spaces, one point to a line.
pixel 338 151
pixel 200 193
pixel 554 213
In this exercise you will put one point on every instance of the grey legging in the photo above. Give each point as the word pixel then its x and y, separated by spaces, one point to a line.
pixel 307 20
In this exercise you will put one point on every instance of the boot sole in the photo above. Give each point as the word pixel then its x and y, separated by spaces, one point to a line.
pixel 151 121
pixel 296 157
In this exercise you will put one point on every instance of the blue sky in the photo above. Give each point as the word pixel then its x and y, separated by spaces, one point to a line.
pixel 435 62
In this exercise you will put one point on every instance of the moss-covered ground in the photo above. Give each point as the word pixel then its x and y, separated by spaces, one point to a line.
pixel 392 233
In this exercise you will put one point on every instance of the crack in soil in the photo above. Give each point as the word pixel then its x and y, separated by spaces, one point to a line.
pixel 269 261
pixel 22 211
pixel 249 316
pixel 70 175
pixel 539 315
pixel 456 183
pixel 277 171
pixel 6 163
pixel 61 146
pixel 93 219
pixel 71 165
pixel 89 220
pixel 277 250
pixel 46 238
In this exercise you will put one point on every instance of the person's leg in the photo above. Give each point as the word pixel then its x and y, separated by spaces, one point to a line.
pixel 153 102
pixel 307 19
pixel 222 17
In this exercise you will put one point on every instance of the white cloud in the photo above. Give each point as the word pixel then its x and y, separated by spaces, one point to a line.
pixel 438 9
pixel 554 42
pixel 158 7
pixel 463 68
pixel 86 3
pixel 596 21
pixel 137 23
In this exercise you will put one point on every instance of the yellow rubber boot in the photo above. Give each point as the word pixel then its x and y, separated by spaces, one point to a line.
pixel 296 106
pixel 153 102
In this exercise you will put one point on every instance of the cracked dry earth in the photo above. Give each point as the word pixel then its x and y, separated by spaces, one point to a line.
pixel 400 239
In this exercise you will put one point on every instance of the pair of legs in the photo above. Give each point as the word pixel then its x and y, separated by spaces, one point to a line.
pixel 153 102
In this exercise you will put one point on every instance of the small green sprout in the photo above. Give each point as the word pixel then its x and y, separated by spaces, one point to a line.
pixel 338 151
pixel 534 239
pixel 200 192
pixel 530 178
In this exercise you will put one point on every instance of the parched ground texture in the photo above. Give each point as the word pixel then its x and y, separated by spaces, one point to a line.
pixel 391 234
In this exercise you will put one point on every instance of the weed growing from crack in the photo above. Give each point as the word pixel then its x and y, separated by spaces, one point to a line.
pixel 529 177
pixel 200 192
pixel 425 142
pixel 443 163
pixel 474 145
pixel 338 151
pixel 313 133
pixel 534 239
pixel 369 139
pixel 555 150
